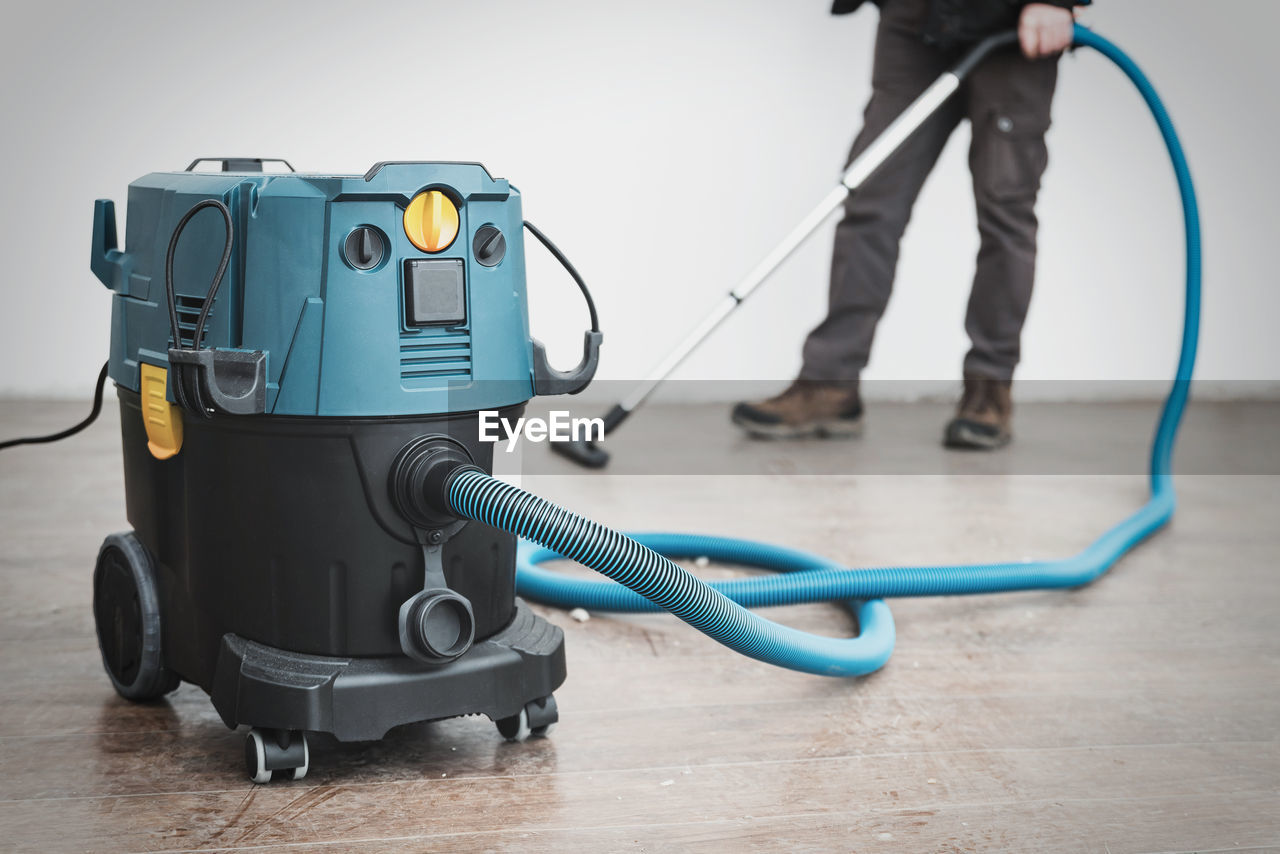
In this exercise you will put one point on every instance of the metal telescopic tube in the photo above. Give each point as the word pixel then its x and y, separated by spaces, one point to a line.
pixel 857 172
pixel 892 137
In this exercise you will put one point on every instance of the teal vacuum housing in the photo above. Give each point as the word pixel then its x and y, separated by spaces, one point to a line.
pixel 277 421
pixel 337 336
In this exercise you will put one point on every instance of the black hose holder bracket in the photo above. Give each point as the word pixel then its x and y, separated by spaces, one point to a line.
pixel 547 380
pixel 230 382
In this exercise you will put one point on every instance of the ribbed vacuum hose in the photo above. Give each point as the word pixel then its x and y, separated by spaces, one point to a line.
pixel 647 580
pixel 475 495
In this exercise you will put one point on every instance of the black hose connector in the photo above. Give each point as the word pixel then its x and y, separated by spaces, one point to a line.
pixel 419 480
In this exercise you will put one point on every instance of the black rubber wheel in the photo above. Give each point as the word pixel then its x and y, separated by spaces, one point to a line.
pixel 276 754
pixel 542 715
pixel 536 719
pixel 126 610
pixel 514 728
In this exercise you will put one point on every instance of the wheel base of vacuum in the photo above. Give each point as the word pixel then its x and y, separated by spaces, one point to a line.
pixel 360 699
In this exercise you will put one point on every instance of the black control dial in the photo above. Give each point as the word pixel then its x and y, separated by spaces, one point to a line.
pixel 489 246
pixel 365 247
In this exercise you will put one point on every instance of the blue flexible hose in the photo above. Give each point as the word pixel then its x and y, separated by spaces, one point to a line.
pixel 645 579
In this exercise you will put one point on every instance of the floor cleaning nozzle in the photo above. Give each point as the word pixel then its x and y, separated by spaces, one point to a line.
pixel 587 452
pixel 584 452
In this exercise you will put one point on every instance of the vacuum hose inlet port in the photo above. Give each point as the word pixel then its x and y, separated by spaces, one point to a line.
pixel 418 483
pixel 436 625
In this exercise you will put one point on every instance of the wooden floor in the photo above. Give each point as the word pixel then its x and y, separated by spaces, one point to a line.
pixel 1139 714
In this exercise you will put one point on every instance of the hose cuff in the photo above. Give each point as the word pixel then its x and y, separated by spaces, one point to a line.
pixel 420 479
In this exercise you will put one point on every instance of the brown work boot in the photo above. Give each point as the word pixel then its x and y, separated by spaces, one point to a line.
pixel 807 408
pixel 983 418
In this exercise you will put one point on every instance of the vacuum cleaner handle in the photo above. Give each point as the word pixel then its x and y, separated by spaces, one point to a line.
pixel 983 49
pixel 111 265
pixel 239 164
pixel 902 127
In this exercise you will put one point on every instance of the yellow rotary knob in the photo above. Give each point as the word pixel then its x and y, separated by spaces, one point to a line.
pixel 431 221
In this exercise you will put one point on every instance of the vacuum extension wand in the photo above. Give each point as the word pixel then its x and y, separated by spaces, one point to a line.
pixel 587 452
pixel 643 577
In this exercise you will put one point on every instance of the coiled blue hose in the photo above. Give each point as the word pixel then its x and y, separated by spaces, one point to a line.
pixel 647 580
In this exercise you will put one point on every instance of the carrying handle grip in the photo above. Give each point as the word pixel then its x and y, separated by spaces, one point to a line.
pixel 239 164
pixel 108 263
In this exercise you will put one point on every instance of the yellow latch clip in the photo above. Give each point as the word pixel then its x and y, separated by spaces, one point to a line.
pixel 162 419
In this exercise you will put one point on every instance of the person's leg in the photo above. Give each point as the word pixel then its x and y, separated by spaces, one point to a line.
pixel 865 254
pixel 824 401
pixel 1008 100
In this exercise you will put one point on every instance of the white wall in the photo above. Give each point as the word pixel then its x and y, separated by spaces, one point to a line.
pixel 664 145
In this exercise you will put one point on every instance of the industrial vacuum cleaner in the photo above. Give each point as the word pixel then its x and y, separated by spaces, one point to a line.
pixel 302 363
pixel 295 357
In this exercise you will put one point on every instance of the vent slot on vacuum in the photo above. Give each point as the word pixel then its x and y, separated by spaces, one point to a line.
pixel 432 354
pixel 188 313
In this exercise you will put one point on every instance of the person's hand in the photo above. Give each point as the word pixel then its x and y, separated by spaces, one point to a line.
pixel 1044 30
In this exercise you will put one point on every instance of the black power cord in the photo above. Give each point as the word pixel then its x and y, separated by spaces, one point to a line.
pixel 197 406
pixel 70 431
pixel 559 256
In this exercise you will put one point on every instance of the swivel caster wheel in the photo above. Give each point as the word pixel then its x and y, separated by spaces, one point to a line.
pixel 536 719
pixel 280 754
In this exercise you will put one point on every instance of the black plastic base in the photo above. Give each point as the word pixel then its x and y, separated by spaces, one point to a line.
pixel 359 699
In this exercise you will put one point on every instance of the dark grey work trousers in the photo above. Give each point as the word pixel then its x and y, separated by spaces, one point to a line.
pixel 1007 100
